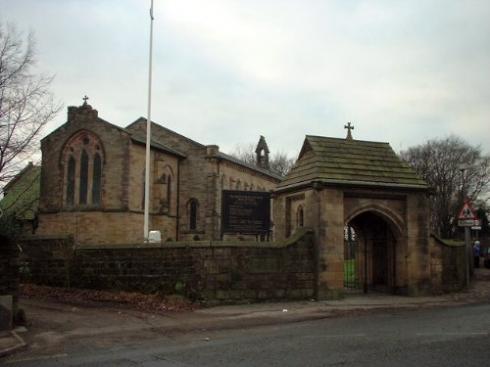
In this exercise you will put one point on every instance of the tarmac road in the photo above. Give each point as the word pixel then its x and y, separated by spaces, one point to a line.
pixel 455 336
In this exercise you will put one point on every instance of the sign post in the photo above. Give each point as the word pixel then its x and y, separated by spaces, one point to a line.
pixel 467 219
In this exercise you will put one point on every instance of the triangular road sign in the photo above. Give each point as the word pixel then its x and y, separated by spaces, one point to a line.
pixel 467 212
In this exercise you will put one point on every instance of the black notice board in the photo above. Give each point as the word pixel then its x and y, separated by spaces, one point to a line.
pixel 246 212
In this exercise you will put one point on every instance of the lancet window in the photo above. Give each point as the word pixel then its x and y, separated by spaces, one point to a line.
pixel 82 160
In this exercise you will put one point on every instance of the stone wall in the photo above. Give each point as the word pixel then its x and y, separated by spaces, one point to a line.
pixel 9 282
pixel 207 271
pixel 103 228
pixel 447 265
pixel 47 260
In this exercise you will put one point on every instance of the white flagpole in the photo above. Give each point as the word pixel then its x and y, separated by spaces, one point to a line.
pixel 148 135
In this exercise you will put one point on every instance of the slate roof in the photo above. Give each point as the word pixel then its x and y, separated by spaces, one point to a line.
pixel 350 162
pixel 157 145
pixel 22 193
pixel 250 166
pixel 221 155
pixel 155 125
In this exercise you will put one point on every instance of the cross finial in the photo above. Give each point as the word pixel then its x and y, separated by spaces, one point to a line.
pixel 85 99
pixel 349 127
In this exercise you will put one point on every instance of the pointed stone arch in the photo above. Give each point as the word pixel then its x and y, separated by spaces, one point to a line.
pixel 75 138
pixel 391 217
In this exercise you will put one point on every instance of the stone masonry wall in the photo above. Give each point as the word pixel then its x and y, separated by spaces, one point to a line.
pixel 202 177
pixel 8 267
pixel 9 282
pixel 103 228
pixel 193 176
pixel 447 265
pixel 207 271
pixel 115 167
pixel 46 260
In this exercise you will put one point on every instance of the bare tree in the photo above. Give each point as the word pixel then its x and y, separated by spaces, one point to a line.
pixel 483 213
pixel 454 170
pixel 245 153
pixel 26 104
pixel 279 163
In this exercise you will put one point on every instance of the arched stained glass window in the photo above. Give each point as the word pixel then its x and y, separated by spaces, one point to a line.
pixel 97 179
pixel 83 178
pixel 70 181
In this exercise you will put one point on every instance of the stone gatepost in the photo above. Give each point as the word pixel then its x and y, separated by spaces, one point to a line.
pixel 329 235
pixel 418 257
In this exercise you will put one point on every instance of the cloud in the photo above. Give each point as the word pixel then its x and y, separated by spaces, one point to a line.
pixel 227 71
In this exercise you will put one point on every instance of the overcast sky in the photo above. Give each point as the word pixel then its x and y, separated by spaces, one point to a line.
pixel 228 71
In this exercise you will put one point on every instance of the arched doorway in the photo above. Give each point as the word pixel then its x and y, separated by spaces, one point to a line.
pixel 370 253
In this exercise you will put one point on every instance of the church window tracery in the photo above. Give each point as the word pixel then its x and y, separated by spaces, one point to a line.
pixel 82 159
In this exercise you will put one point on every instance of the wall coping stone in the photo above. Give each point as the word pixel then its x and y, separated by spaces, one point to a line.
pixel 447 242
pixel 203 244
pixel 45 237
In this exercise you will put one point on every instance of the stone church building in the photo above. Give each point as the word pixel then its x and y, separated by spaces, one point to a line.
pixel 92 181
pixel 350 215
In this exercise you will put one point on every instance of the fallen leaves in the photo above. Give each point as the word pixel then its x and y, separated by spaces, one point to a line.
pixel 89 297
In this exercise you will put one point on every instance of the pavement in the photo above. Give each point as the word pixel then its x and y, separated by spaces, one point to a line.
pixel 54 328
pixel 10 342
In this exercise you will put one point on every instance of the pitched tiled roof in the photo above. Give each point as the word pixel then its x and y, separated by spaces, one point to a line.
pixel 350 162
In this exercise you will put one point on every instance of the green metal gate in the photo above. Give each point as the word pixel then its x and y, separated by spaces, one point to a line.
pixel 351 259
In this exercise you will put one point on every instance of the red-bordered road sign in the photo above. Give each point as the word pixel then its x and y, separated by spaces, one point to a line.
pixel 467 212
pixel 467 216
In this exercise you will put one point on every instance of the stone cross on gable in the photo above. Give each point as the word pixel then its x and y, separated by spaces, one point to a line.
pixel 349 127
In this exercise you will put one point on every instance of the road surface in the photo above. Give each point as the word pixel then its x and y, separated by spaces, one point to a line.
pixel 456 336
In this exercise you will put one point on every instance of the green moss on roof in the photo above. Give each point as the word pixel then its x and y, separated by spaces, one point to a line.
pixel 22 194
pixel 342 161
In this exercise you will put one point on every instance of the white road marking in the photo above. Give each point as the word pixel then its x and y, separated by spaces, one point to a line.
pixel 360 335
pixel 457 333
pixel 40 358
